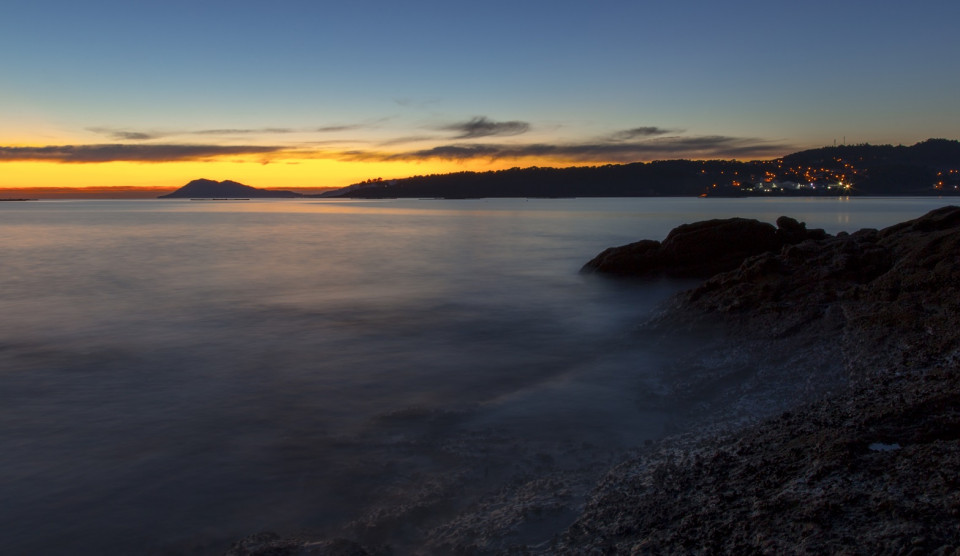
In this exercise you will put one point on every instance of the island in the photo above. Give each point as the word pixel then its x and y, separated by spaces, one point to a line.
pixel 227 189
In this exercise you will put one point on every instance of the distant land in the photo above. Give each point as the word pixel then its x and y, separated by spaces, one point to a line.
pixel 116 192
pixel 82 192
pixel 206 189
pixel 931 167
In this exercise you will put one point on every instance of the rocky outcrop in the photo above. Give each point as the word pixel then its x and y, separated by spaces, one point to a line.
pixel 896 291
pixel 701 249
pixel 869 465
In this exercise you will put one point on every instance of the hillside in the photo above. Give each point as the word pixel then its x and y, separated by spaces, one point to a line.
pixel 931 167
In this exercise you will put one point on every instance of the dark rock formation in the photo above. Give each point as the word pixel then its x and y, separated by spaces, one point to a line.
pixel 870 466
pixel 208 189
pixel 701 249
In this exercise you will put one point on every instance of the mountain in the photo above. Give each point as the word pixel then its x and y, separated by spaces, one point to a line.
pixel 209 189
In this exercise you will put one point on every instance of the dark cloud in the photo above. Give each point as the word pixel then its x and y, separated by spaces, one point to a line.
pixel 459 152
pixel 700 147
pixel 127 153
pixel 648 143
pixel 128 135
pixel 483 127
pixel 647 131
pixel 133 135
pixel 125 135
pixel 333 128
pixel 409 139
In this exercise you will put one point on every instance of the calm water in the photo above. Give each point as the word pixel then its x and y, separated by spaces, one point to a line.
pixel 175 375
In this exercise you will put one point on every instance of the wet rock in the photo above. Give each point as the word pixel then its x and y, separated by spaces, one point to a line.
pixel 694 250
pixel 701 249
pixel 790 231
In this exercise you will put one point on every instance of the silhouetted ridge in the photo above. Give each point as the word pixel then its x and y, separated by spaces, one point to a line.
pixel 931 167
pixel 208 189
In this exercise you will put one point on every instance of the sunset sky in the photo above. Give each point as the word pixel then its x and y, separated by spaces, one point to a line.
pixel 324 94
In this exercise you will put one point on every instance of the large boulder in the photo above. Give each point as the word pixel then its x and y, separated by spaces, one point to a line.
pixel 701 249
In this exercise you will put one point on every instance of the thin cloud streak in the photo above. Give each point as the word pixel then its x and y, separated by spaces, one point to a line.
pixel 82 154
pixel 646 131
pixel 126 135
pixel 406 140
pixel 241 131
pixel 275 130
pixel 653 145
pixel 138 135
pixel 481 126
pixel 669 147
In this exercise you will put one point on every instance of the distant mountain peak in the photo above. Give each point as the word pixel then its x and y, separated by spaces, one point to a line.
pixel 203 188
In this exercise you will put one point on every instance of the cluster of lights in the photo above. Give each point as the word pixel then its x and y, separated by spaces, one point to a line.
pixel 835 174
pixel 948 178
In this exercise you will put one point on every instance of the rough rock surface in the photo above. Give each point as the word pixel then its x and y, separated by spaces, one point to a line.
pixel 871 467
pixel 701 249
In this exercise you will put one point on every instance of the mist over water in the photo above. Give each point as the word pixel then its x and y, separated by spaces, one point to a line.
pixel 176 375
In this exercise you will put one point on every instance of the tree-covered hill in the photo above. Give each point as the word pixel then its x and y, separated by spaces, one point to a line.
pixel 931 167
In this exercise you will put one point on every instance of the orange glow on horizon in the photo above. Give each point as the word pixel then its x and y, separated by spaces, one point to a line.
pixel 312 174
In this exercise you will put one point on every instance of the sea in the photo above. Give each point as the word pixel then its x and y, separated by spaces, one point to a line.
pixel 176 375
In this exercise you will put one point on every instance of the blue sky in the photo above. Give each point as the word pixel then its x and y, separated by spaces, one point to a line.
pixel 472 85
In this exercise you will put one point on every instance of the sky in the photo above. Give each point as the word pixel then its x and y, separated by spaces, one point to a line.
pixel 290 93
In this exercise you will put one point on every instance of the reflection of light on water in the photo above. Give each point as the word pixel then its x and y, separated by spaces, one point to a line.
pixel 843 217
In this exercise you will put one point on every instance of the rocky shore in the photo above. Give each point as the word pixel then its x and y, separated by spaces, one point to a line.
pixel 819 376
pixel 867 458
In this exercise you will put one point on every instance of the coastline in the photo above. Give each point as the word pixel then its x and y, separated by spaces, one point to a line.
pixel 821 397
pixel 867 466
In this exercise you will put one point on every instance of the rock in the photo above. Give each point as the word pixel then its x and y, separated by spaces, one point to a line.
pixel 627 260
pixel 791 231
pixel 701 249
pixel 695 250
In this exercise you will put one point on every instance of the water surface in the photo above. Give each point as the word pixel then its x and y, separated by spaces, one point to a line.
pixel 176 375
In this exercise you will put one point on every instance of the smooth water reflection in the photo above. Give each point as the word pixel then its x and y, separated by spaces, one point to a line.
pixel 175 375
